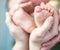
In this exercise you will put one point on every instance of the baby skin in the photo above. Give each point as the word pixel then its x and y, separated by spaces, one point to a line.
pixel 21 19
pixel 52 42
pixel 19 16
pixel 41 13
pixel 19 32
pixel 46 11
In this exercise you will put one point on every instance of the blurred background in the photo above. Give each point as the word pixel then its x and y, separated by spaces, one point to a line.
pixel 6 40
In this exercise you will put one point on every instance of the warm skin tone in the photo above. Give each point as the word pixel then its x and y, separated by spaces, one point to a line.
pixel 12 25
pixel 18 33
pixel 35 2
pixel 18 43
pixel 24 17
pixel 41 13
pixel 48 45
pixel 20 36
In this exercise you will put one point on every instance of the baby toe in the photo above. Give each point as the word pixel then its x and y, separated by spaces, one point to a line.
pixel 37 9
pixel 49 8
pixel 38 16
pixel 42 5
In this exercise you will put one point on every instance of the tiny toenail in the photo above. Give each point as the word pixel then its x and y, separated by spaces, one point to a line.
pixel 38 9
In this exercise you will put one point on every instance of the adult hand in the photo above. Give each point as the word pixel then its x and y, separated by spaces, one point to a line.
pixel 18 33
pixel 37 35
pixel 10 24
pixel 48 45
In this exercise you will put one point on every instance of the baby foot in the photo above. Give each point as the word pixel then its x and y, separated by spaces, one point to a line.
pixel 23 19
pixel 41 13
pixel 48 45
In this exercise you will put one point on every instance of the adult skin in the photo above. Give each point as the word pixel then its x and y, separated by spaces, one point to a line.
pixel 36 4
pixel 48 45
pixel 20 36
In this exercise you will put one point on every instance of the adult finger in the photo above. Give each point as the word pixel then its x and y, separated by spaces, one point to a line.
pixel 38 31
pixel 13 9
pixel 54 29
pixel 48 23
pixel 9 21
